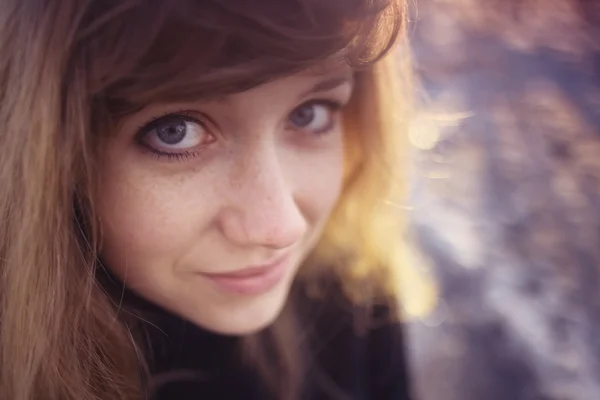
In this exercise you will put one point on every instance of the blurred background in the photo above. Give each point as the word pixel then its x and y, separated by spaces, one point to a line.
pixel 506 199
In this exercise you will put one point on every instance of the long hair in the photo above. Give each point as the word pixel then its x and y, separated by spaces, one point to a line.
pixel 69 69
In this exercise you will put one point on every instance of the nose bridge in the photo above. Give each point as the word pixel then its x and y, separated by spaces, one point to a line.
pixel 261 179
pixel 262 208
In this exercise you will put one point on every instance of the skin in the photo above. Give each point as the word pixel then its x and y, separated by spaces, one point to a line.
pixel 246 186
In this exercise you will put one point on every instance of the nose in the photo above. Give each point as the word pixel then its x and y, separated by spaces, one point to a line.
pixel 261 209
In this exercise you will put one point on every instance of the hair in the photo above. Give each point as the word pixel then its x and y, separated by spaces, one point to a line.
pixel 69 69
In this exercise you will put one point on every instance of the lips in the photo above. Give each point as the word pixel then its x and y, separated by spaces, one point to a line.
pixel 253 280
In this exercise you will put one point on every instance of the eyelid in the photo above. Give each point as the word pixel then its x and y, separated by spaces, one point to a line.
pixel 331 103
pixel 187 115
pixel 333 107
pixel 332 85
pixel 340 94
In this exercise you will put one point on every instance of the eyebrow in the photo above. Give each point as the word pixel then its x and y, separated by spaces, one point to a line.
pixel 322 86
pixel 329 84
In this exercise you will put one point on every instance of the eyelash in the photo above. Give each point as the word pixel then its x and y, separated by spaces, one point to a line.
pixel 192 116
pixel 144 129
pixel 333 106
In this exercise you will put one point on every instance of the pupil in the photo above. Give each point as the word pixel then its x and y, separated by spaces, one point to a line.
pixel 303 116
pixel 171 132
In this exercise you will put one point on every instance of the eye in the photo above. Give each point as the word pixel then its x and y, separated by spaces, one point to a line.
pixel 316 116
pixel 174 134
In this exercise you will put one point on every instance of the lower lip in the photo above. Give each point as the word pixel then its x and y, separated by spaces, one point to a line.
pixel 251 285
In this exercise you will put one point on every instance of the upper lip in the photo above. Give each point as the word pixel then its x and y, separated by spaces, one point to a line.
pixel 250 271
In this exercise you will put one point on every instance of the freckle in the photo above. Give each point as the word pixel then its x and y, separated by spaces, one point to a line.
pixel 560 150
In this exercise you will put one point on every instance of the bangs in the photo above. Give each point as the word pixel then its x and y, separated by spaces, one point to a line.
pixel 138 52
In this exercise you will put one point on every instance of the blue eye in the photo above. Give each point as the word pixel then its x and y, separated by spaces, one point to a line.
pixel 172 132
pixel 174 135
pixel 316 116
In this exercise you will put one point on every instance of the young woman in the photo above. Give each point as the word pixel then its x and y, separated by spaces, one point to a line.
pixel 197 199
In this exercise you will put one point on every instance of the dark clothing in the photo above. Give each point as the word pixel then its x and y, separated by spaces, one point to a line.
pixel 367 366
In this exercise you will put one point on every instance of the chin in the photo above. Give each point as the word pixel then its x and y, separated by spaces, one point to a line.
pixel 246 319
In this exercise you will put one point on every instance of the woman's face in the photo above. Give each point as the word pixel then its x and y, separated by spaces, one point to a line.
pixel 208 208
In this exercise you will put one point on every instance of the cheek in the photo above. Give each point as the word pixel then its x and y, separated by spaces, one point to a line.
pixel 154 221
pixel 146 221
pixel 320 183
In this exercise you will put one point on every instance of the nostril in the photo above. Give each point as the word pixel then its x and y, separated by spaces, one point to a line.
pixel 278 229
